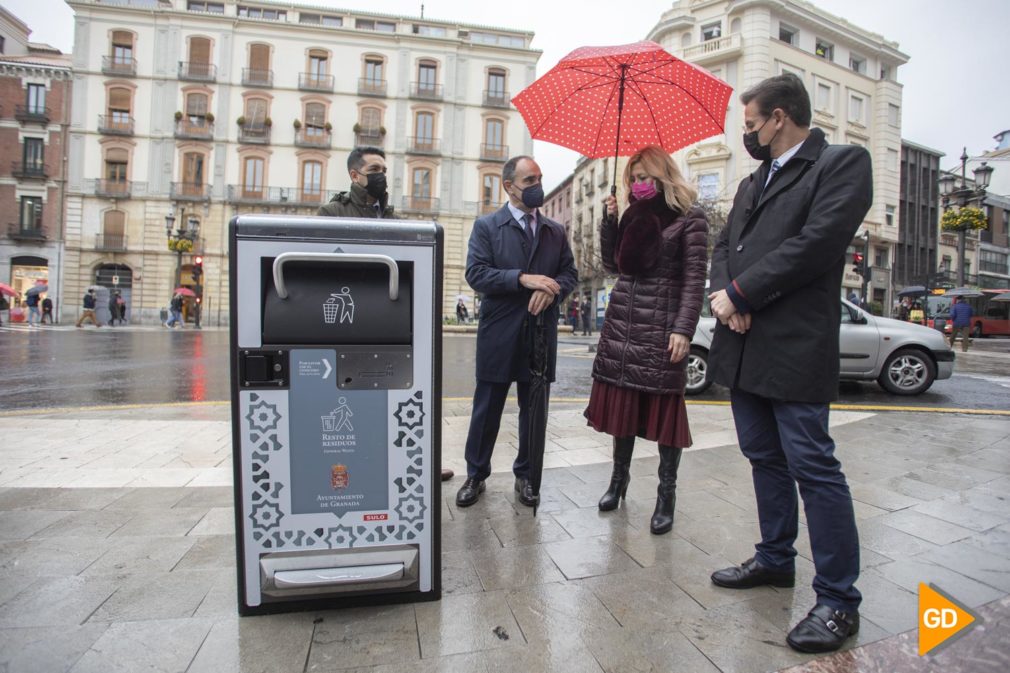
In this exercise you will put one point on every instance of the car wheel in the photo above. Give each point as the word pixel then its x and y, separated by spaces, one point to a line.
pixel 976 331
pixel 907 372
pixel 697 372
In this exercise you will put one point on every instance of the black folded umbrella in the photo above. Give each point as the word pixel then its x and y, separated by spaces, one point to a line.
pixel 538 401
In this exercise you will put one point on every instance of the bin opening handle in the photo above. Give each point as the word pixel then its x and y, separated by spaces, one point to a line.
pixel 337 257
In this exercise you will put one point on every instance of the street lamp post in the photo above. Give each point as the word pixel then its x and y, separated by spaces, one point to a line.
pixel 958 193
pixel 190 233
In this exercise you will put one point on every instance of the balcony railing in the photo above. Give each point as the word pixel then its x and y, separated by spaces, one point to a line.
pixel 426 91
pixel 308 81
pixel 276 196
pixel 423 145
pixel 420 204
pixel 31 114
pixel 312 137
pixel 115 125
pixel 194 128
pixel 494 152
pixel 190 191
pixel 119 66
pixel 110 242
pixel 113 189
pixel 486 207
pixel 254 134
pixel 197 72
pixel 496 98
pixel 253 77
pixel 369 138
pixel 29 170
pixel 719 47
pixel 25 232
pixel 371 87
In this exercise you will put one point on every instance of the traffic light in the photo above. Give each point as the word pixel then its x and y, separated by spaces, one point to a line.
pixel 197 268
pixel 857 264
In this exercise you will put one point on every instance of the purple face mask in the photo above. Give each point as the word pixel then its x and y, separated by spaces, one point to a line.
pixel 643 190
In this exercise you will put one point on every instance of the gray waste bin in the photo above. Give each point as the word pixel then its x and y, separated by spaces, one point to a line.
pixel 336 400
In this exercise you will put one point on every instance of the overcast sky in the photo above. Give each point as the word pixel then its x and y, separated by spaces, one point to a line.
pixel 955 90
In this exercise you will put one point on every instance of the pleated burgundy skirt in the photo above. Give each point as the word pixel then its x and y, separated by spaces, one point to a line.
pixel 623 412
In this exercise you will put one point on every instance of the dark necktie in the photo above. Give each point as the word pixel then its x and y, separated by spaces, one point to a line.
pixel 528 230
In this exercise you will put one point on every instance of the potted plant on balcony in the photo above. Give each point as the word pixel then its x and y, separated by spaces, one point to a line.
pixel 298 124
pixel 240 121
pixel 382 130
pixel 268 122
pixel 209 117
pixel 356 128
pixel 178 115
pixel 328 126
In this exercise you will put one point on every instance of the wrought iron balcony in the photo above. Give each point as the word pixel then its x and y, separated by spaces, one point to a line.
pixel 369 138
pixel 423 145
pixel 110 242
pixel 29 170
pixel 115 125
pixel 194 128
pixel 312 137
pixel 490 152
pixel 371 87
pixel 261 78
pixel 276 196
pixel 254 134
pixel 426 91
pixel 494 98
pixel 26 232
pixel 420 204
pixel 197 72
pixel 113 189
pixel 308 81
pixel 189 191
pixel 31 114
pixel 120 66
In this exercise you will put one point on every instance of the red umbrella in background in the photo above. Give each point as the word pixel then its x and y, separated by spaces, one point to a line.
pixel 600 101
pixel 184 291
pixel 7 290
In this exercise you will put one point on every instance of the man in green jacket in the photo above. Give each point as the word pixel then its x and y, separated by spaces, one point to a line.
pixel 367 196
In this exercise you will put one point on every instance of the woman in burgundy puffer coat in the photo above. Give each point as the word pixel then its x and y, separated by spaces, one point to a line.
pixel 659 248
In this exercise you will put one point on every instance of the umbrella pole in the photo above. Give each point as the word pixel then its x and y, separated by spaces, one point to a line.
pixel 617 143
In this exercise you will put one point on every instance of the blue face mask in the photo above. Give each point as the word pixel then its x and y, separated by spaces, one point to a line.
pixel 533 196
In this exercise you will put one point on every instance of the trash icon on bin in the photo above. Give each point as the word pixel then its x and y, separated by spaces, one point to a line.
pixel 339 305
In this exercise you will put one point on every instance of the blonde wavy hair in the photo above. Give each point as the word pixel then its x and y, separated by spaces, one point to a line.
pixel 677 191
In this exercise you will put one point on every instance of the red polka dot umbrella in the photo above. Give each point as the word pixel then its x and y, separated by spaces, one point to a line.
pixel 600 101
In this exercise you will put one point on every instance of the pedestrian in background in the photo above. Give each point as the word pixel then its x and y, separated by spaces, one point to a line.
pixel 47 310
pixel 587 315
pixel 462 315
pixel 960 317
pixel 113 308
pixel 775 267
pixel 121 303
pixel 32 302
pixel 88 310
pixel 175 309
pixel 659 248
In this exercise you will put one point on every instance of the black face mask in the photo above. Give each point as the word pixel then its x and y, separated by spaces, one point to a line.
pixel 376 187
pixel 533 196
pixel 754 147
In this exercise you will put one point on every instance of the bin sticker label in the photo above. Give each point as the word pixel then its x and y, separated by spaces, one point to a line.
pixel 339 447
pixel 339 308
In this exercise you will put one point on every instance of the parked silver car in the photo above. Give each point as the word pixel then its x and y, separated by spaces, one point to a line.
pixel 902 357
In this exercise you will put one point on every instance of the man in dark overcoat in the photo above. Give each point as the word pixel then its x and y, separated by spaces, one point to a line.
pixel 520 261
pixel 776 280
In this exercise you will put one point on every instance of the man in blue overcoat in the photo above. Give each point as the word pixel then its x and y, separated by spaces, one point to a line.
pixel 521 263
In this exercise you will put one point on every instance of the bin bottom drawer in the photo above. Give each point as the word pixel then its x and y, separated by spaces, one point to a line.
pixel 289 575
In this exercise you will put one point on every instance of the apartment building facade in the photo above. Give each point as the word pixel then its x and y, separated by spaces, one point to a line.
pixel 915 259
pixel 34 113
pixel 203 110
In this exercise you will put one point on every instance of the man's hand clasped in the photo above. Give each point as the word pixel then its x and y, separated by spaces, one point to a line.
pixel 724 309
pixel 545 289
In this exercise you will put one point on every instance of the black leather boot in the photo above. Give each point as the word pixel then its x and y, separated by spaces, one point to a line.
pixel 666 494
pixel 621 476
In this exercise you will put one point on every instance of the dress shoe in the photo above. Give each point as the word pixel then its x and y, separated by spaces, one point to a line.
pixel 621 476
pixel 751 574
pixel 525 491
pixel 447 474
pixel 469 492
pixel 824 629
